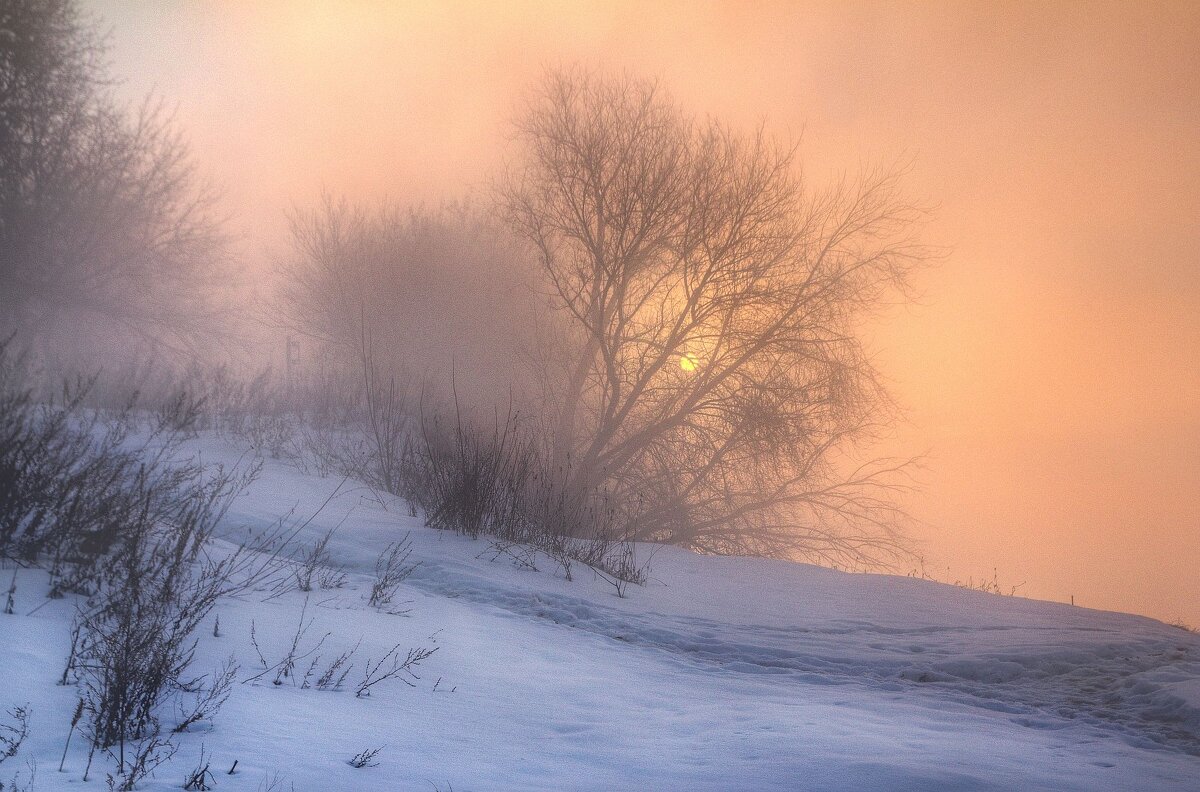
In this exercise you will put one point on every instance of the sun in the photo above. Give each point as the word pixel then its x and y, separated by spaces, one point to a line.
pixel 688 362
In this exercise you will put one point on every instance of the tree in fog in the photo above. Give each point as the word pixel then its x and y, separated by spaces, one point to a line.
pixel 711 379
pixel 433 292
pixel 100 218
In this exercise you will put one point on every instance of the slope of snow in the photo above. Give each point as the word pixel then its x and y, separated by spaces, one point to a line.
pixel 719 674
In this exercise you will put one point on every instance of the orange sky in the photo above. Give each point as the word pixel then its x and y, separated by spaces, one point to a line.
pixel 1053 369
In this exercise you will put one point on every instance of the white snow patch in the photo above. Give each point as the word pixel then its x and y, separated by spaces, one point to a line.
pixel 720 674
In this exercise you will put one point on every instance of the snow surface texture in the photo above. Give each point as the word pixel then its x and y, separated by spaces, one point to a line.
pixel 719 674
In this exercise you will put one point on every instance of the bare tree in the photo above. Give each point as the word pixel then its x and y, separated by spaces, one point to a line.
pixel 711 373
pixel 101 218
pixel 407 293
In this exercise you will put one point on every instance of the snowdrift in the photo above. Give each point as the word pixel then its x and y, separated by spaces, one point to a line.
pixel 719 674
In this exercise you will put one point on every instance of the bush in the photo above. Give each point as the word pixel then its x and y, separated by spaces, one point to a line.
pixel 365 758
pixel 391 569
pixel 469 480
pixel 135 633
pixel 331 675
pixel 70 482
pixel 13 734
pixel 119 518
pixel 315 566
pixel 497 482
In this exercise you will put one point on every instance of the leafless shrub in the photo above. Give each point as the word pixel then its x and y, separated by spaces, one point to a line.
pixel 332 675
pixel 200 779
pixel 129 526
pixel 365 758
pixel 989 585
pixel 391 569
pixel 135 633
pixel 315 566
pixel 146 755
pixel 624 565
pixel 331 450
pixel 276 435
pixel 522 556
pixel 17 785
pixel 387 420
pixel 257 409
pixel 69 482
pixel 469 479
pixel 208 699
pixel 497 483
pixel 253 408
pixel 181 413
pixel 13 732
pixel 133 638
pixel 285 667
pixel 392 666
pixel 619 567
pixel 275 783
pixel 329 577
pixel 335 673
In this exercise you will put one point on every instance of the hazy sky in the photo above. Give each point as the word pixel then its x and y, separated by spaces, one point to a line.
pixel 1053 369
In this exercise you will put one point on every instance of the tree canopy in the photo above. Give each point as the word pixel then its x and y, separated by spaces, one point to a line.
pixel 711 373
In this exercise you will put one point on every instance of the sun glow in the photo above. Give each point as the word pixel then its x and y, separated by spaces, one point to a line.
pixel 688 362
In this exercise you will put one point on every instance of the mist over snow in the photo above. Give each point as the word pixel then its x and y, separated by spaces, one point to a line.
pixel 491 397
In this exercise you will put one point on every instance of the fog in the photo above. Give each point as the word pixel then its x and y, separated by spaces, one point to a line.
pixel 1049 370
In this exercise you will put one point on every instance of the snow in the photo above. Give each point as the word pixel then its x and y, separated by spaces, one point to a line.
pixel 719 674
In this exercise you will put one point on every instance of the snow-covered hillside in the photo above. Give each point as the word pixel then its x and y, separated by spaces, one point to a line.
pixel 719 674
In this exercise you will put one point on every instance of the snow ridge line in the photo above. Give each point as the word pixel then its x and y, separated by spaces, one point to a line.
pixel 1112 687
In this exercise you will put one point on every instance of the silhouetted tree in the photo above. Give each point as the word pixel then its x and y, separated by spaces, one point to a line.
pixel 100 215
pixel 710 373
